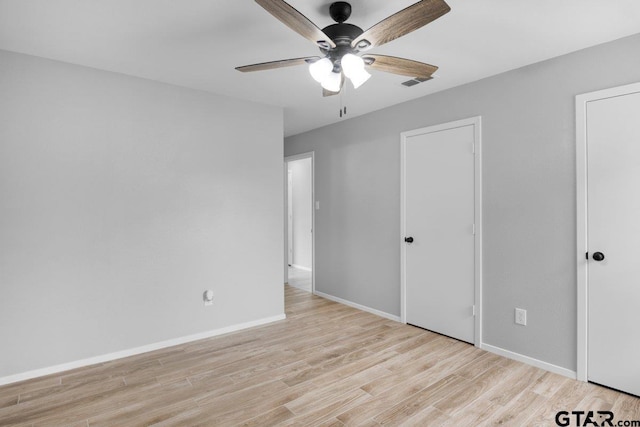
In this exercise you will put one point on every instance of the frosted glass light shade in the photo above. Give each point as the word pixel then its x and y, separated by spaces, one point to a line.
pixel 353 67
pixel 351 64
pixel 359 78
pixel 332 82
pixel 320 69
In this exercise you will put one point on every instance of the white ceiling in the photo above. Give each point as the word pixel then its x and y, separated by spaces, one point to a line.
pixel 197 44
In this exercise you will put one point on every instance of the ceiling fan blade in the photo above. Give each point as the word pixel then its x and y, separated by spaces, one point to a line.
pixel 404 67
pixel 299 23
pixel 401 23
pixel 277 64
pixel 326 93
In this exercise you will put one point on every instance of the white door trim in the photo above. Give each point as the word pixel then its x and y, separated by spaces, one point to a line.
pixel 477 123
pixel 308 155
pixel 289 208
pixel 581 217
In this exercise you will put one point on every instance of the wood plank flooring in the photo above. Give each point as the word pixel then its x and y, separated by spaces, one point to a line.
pixel 326 365
pixel 300 279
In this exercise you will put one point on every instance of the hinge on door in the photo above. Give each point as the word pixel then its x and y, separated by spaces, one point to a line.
pixel 473 229
pixel 587 255
pixel 473 310
pixel 473 148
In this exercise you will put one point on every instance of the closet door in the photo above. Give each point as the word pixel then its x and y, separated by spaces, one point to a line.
pixel 439 252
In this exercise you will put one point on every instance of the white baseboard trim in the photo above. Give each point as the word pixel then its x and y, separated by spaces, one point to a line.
pixel 137 350
pixel 300 267
pixel 530 361
pixel 358 306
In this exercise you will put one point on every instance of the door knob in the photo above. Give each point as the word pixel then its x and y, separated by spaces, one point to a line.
pixel 598 256
pixel 408 239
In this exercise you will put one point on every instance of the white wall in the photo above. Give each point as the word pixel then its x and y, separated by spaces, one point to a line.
pixel 302 212
pixel 529 194
pixel 121 201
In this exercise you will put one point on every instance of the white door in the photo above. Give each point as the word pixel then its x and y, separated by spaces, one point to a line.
pixel 438 198
pixel 290 217
pixel 613 232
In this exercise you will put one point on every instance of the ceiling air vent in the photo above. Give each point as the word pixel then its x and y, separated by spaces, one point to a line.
pixel 415 81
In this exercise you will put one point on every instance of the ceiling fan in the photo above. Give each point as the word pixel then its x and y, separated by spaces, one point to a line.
pixel 341 44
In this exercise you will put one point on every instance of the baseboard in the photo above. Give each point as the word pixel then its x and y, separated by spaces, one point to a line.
pixel 358 306
pixel 299 267
pixel 530 361
pixel 138 350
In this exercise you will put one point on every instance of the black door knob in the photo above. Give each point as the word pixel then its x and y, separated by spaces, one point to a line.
pixel 598 256
pixel 408 239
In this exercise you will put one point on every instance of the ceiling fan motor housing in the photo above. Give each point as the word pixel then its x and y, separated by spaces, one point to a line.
pixel 342 35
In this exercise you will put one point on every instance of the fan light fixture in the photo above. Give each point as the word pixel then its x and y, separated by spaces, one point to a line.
pixel 352 66
pixel 321 69
pixel 332 82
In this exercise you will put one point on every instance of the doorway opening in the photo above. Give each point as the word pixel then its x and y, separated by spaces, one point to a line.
pixel 299 224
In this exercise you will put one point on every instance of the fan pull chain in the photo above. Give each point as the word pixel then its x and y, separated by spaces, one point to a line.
pixel 343 108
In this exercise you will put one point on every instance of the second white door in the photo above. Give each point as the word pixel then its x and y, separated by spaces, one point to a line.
pixel 613 229
pixel 439 213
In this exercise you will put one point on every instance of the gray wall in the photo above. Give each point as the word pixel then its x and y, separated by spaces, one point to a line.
pixel 302 215
pixel 529 195
pixel 121 201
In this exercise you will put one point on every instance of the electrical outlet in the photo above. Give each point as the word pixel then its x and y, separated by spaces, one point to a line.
pixel 521 316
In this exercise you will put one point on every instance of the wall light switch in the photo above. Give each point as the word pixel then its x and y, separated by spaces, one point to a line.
pixel 317 206
pixel 207 297
pixel 521 316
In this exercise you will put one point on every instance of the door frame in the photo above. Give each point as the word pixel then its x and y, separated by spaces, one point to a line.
pixel 581 218
pixel 308 155
pixel 476 122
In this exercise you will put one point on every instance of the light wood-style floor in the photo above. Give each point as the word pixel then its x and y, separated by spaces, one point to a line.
pixel 326 365
pixel 300 279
